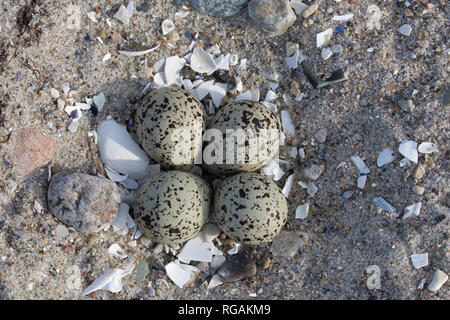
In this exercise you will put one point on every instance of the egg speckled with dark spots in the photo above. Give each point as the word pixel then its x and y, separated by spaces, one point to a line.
pixel 250 208
pixel 172 207
pixel 259 137
pixel 169 124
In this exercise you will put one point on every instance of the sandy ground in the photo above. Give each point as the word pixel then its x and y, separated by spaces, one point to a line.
pixel 362 117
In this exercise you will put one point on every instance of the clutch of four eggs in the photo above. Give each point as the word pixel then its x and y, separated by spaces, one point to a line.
pixel 242 137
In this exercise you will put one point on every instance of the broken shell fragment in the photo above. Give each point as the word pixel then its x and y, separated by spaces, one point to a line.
pixel 419 260
pixel 167 26
pixel 427 147
pixel 408 149
pixel 438 281
pixel 360 165
pixel 374 280
pixel 119 151
pixel 386 156
pixel 181 274
pixel 202 61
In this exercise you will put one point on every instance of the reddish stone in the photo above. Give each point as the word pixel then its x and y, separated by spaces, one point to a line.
pixel 32 151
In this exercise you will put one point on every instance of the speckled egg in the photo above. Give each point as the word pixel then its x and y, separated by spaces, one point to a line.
pixel 253 118
pixel 250 208
pixel 172 207
pixel 169 124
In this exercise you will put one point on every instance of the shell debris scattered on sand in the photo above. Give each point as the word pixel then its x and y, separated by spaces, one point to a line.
pixel 110 280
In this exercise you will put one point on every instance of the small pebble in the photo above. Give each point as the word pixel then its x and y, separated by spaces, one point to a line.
pixel 220 8
pixel 61 231
pixel 321 135
pixel 336 48
pixel 409 13
pixel 406 105
pixel 123 15
pixel 310 10
pixel 272 16
pixel 73 125
pixel 340 29
pixel 405 29
pixel 417 189
pixel 313 172
pixel 141 271
pixel 326 53
pixel 32 150
pixel 287 243
pixel 265 263
pixel 237 267
pixel 419 172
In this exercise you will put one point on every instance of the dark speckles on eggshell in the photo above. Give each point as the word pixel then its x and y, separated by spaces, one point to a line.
pixel 160 113
pixel 168 213
pixel 255 218
pixel 254 118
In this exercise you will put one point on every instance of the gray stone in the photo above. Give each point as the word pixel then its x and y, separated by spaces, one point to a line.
pixel 310 10
pixel 417 189
pixel 84 202
pixel 313 172
pixel 321 135
pixel 272 16
pixel 446 97
pixel 287 243
pixel 237 267
pixel 406 105
pixel 123 15
pixel 220 8
pixel 141 271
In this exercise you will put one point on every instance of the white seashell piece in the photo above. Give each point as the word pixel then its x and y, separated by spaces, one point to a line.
pixel 110 280
pixel 438 281
pixel 419 260
pixel 386 156
pixel 181 274
pixel 408 149
pixel 167 26
pixel 427 147
pixel 202 61
pixel 119 151
pixel 302 211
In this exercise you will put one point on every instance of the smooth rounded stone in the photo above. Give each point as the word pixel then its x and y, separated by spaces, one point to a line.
pixel 438 280
pixel 406 105
pixel 272 16
pixel 310 10
pixel 418 189
pixel 419 172
pixel 220 8
pixel 32 150
pixel 287 243
pixel 313 172
pixel 237 267
pixel 84 202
